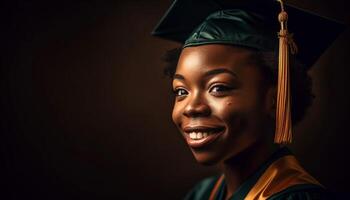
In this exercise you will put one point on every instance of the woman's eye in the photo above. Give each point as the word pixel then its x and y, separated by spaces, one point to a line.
pixel 180 92
pixel 220 88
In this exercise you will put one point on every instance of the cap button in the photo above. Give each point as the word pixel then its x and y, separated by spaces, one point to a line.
pixel 283 16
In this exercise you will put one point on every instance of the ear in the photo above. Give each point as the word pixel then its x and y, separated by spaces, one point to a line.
pixel 270 101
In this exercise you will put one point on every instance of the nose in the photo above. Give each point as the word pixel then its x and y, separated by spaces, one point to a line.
pixel 197 107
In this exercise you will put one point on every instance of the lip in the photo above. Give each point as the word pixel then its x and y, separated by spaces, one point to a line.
pixel 216 132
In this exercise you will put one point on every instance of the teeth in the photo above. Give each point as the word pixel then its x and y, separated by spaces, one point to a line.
pixel 198 135
pixel 193 135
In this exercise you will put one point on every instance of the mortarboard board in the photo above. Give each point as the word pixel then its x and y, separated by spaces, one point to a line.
pixel 312 33
pixel 254 24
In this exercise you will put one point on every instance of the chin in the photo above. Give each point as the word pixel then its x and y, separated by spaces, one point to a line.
pixel 207 159
pixel 210 158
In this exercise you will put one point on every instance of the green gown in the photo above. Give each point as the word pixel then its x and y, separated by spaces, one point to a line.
pixel 280 177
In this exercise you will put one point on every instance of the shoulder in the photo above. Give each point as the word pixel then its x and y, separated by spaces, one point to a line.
pixel 303 192
pixel 202 189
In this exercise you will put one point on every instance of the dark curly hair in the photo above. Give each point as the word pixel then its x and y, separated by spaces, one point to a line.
pixel 301 82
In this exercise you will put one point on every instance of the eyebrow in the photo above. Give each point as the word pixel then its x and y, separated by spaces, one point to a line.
pixel 220 71
pixel 178 76
pixel 209 73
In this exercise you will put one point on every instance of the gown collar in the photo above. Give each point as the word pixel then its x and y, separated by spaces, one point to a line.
pixel 243 190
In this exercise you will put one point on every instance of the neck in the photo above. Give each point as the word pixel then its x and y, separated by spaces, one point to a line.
pixel 237 169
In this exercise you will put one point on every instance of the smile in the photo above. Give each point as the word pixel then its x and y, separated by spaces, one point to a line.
pixel 197 137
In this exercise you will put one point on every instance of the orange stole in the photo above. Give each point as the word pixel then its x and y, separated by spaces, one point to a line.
pixel 281 174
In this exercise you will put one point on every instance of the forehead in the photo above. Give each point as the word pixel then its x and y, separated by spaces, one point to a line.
pixel 206 57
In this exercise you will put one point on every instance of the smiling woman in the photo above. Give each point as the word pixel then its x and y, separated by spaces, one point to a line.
pixel 218 95
pixel 231 100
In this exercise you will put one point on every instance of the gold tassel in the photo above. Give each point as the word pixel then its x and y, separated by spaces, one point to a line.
pixel 283 134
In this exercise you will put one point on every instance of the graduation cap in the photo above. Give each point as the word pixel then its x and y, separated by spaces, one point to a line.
pixel 258 24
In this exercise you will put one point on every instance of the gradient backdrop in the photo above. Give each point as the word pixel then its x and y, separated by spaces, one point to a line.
pixel 86 111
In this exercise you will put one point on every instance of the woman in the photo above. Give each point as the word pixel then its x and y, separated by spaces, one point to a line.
pixel 228 90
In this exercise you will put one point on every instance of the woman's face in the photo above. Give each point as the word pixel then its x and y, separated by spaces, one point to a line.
pixel 221 107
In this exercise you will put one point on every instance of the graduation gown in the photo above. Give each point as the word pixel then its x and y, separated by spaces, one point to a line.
pixel 280 177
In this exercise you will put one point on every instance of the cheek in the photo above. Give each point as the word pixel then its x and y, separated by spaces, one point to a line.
pixel 239 113
pixel 227 108
pixel 230 111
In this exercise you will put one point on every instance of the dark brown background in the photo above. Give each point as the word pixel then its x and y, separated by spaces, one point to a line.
pixel 86 110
